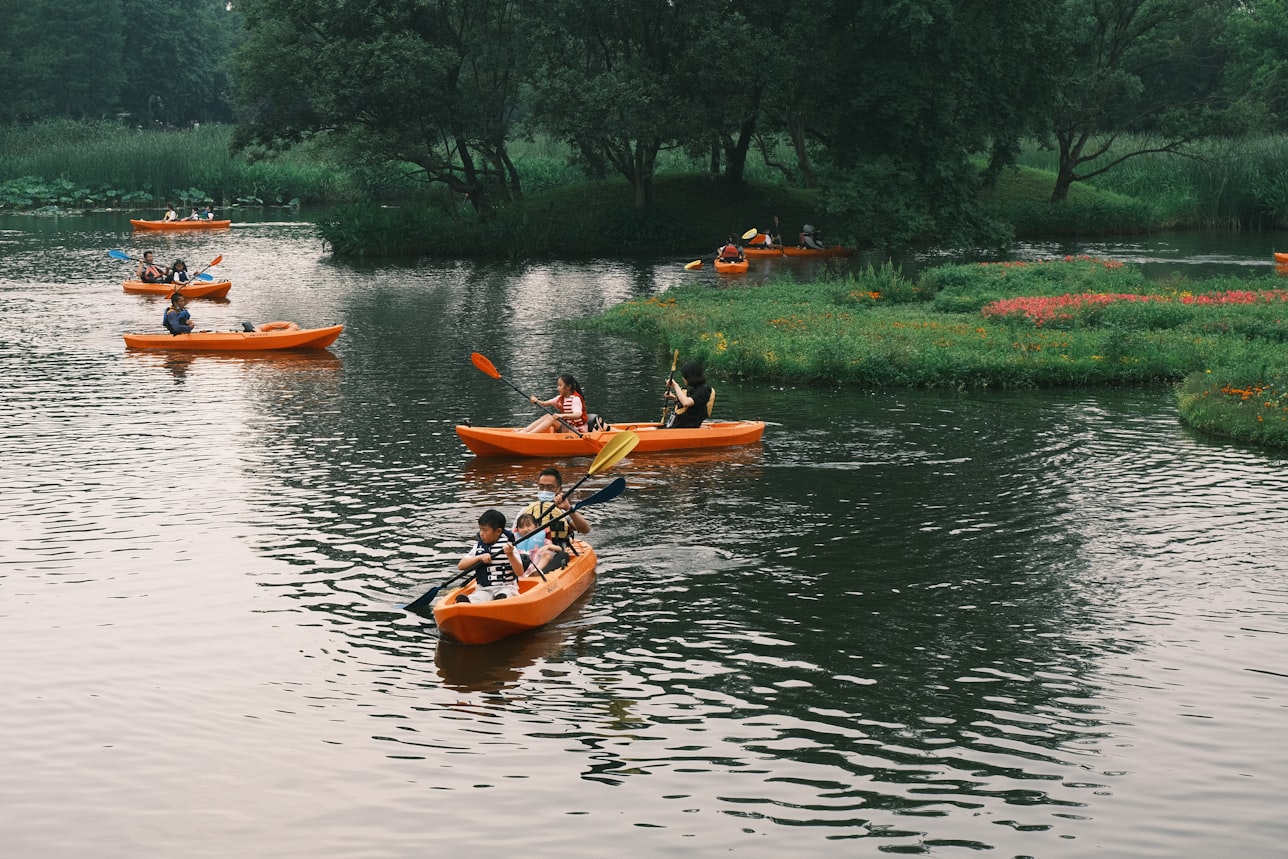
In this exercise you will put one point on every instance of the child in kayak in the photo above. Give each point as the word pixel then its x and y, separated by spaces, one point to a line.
pixel 178 273
pixel 539 555
pixel 571 404
pixel 494 559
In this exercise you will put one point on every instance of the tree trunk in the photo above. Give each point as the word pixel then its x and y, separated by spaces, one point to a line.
pixel 796 130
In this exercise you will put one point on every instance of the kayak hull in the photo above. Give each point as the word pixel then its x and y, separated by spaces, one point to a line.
pixel 194 289
pixel 835 251
pixel 507 441
pixel 731 267
pixel 537 603
pixel 179 225
pixel 238 341
pixel 1281 258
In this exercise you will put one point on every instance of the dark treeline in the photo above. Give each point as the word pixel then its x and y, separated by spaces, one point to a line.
pixel 150 63
pixel 898 111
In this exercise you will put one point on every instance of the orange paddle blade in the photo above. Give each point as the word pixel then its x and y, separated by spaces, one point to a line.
pixel 216 261
pixel 485 365
pixel 690 266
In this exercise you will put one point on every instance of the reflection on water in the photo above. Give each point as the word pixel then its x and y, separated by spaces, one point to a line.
pixel 1025 623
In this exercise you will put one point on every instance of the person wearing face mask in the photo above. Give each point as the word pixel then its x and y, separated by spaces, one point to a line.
pixel 551 503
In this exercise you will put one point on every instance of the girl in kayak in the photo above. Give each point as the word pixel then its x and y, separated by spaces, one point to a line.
pixel 693 406
pixel 178 273
pixel 571 404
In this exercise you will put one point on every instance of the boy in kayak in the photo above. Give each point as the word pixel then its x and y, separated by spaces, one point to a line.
pixel 494 559
pixel 177 319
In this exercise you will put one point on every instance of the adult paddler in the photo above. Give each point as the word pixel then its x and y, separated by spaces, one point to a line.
pixel 551 503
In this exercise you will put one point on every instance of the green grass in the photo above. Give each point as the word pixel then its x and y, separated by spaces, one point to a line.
pixel 66 163
pixel 879 330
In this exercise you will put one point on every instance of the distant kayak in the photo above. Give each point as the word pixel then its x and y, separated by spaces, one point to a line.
pixel 179 225
pixel 1281 258
pixel 508 441
pixel 192 289
pixel 834 251
pixel 283 337
pixel 731 267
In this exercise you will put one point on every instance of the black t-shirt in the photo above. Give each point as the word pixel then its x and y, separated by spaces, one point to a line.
pixel 694 415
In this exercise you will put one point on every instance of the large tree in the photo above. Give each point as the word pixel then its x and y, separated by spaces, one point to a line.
pixel 613 80
pixel 59 58
pixel 1150 68
pixel 906 96
pixel 430 83
pixel 175 58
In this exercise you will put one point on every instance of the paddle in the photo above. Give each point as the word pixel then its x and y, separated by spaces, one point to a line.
pixel 666 389
pixel 617 447
pixel 690 266
pixel 479 360
pixel 750 234
pixel 608 493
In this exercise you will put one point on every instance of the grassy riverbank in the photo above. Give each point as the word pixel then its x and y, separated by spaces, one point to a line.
pixel 86 165
pixel 1077 322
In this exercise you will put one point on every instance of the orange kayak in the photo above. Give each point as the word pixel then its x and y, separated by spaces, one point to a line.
pixel 1281 258
pixel 763 251
pixel 834 251
pixel 731 267
pixel 238 341
pixel 538 603
pixel 179 225
pixel 193 289
pixel 507 441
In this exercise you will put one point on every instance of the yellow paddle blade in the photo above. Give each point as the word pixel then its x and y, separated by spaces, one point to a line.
pixel 690 266
pixel 618 446
pixel 750 234
pixel 675 358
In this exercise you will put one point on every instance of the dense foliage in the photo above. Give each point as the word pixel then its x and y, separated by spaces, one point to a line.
pixel 899 112
pixel 149 63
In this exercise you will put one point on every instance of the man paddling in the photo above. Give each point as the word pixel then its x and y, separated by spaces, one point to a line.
pixel 551 503
pixel 149 272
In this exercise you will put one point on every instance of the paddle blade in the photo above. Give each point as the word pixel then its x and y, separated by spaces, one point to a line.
pixel 675 359
pixel 690 266
pixel 204 276
pixel 616 448
pixel 121 255
pixel 216 261
pixel 480 361
pixel 608 493
pixel 750 234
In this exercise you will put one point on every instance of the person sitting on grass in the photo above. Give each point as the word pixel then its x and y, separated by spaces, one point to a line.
pixel 495 561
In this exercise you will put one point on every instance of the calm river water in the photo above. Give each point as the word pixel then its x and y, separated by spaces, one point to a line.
pixel 1027 624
